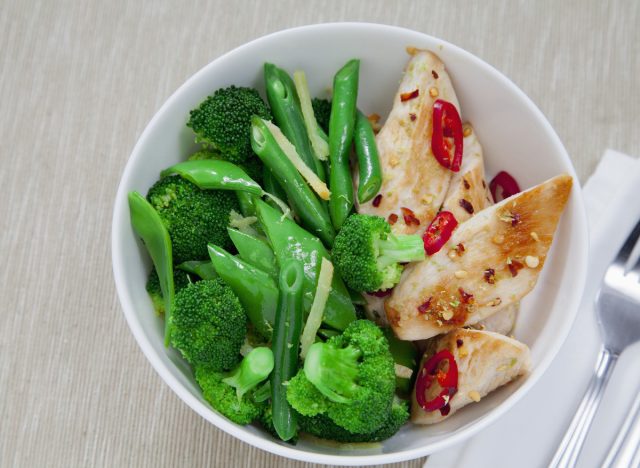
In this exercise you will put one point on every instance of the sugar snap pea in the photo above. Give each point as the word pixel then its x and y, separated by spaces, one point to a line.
pixel 341 127
pixel 313 214
pixel 203 268
pixel 369 171
pixel 286 343
pixel 215 174
pixel 256 290
pixel 147 224
pixel 254 251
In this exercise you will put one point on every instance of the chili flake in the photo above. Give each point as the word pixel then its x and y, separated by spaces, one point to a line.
pixel 424 307
pixel 393 218
pixel 466 183
pixel 413 116
pixel 465 296
pixel 434 74
pixel 514 266
pixel 490 275
pixel 468 207
pixel 376 201
pixel 410 95
pixel 409 217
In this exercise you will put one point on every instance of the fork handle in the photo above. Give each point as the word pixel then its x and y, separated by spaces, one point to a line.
pixel 567 454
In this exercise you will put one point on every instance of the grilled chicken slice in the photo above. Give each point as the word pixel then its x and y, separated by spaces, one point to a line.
pixel 492 260
pixel 485 361
pixel 467 192
pixel 503 321
pixel 413 178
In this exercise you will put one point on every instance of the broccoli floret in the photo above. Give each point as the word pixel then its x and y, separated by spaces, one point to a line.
pixel 323 427
pixel 322 112
pixel 205 153
pixel 368 256
pixel 254 368
pixel 223 121
pixel 350 379
pixel 224 399
pixel 193 217
pixel 208 325
pixel 181 279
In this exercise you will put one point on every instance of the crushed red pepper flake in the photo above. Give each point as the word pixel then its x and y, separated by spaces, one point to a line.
pixel 514 266
pixel 409 217
pixel 466 204
pixel 404 97
pixel 393 218
pixel 465 296
pixel 413 116
pixel 484 184
pixel 490 275
pixel 424 307
pixel 466 183
pixel 434 74
pixel 515 219
pixel 376 201
pixel 459 343
pixel 460 249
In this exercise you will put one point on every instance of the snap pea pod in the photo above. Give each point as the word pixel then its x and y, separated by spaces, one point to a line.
pixel 147 224
pixel 291 241
pixel 341 126
pixel 312 213
pixel 203 268
pixel 286 343
pixel 285 105
pixel 369 171
pixel 254 251
pixel 256 290
pixel 215 174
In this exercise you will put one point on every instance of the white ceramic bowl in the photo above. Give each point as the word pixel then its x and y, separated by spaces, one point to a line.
pixel 515 135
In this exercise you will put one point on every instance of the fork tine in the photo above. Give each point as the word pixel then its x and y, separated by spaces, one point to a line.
pixel 629 244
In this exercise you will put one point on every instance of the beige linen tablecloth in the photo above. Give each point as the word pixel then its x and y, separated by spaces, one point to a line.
pixel 79 80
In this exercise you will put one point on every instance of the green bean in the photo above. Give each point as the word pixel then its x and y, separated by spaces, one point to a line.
pixel 257 291
pixel 203 268
pixel 215 174
pixel 369 172
pixel 312 213
pixel 272 186
pixel 254 251
pixel 286 341
pixel 341 127
pixel 285 105
pixel 247 206
pixel 147 224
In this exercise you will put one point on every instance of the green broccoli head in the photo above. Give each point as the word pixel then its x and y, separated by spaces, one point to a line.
pixel 323 427
pixel 181 279
pixel 368 255
pixel 208 325
pixel 223 121
pixel 224 398
pixel 193 217
pixel 322 112
pixel 350 379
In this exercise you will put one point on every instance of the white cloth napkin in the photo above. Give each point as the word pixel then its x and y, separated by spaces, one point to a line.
pixel 529 434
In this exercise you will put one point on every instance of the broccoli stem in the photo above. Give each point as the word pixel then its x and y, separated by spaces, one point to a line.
pixel 399 249
pixel 333 371
pixel 254 368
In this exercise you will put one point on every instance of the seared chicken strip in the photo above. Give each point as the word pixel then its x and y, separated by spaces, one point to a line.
pixel 467 192
pixel 503 321
pixel 413 178
pixel 492 260
pixel 485 361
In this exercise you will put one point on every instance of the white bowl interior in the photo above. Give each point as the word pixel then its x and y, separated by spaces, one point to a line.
pixel 515 135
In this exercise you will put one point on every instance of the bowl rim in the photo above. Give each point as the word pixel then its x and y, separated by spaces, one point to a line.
pixel 573 297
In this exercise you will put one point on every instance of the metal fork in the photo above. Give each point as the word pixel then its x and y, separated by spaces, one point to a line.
pixel 618 315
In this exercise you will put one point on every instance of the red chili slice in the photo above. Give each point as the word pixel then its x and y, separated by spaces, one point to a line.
pixel 447 380
pixel 439 232
pixel 446 138
pixel 385 293
pixel 506 183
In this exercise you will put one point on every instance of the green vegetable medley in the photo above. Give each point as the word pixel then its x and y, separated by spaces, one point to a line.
pixel 260 262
